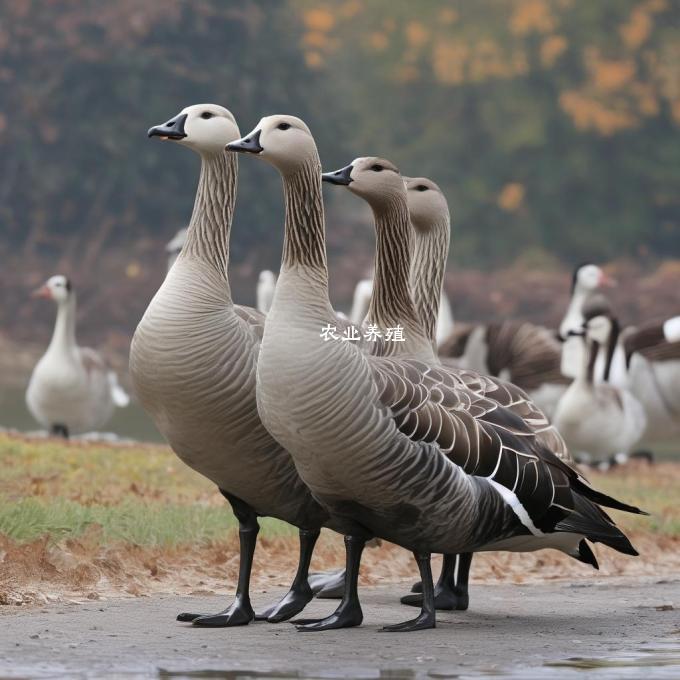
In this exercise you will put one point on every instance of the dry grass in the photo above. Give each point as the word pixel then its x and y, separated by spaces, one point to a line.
pixel 83 520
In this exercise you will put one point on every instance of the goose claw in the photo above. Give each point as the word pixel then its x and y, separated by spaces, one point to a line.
pixel 238 614
pixel 292 603
pixel 346 618
pixel 444 600
pixel 423 622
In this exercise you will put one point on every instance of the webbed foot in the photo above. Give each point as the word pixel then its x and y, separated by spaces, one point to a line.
pixel 295 600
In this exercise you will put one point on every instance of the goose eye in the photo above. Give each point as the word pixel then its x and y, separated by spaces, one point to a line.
pixel 283 126
pixel 206 115
pixel 377 168
pixel 421 187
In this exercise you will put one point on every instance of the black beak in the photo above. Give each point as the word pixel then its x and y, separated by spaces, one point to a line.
pixel 173 129
pixel 249 144
pixel 342 177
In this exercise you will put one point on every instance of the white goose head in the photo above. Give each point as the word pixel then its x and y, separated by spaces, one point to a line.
pixel 589 277
pixel 205 128
pixel 57 288
pixel 283 141
pixel 374 179
pixel 599 329
pixel 427 205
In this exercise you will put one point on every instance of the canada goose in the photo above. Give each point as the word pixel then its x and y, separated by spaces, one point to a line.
pixel 71 390
pixel 598 419
pixel 175 245
pixel 193 360
pixel 266 283
pixel 380 440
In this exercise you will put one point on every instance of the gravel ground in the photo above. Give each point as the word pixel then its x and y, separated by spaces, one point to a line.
pixel 629 626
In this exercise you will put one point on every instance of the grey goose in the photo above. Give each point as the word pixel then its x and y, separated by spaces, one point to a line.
pixel 382 441
pixel 193 360
pixel 71 390
pixel 427 212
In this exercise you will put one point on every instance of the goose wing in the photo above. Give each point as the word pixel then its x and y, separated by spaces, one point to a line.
pixel 651 342
pixel 433 404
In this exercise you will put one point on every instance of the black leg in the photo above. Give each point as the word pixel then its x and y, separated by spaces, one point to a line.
pixel 300 593
pixel 59 430
pixel 349 612
pixel 450 593
pixel 426 618
pixel 240 612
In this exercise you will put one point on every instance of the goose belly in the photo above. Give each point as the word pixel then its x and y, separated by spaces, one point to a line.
pixel 372 478
pixel 193 369
pixel 61 392
pixel 598 425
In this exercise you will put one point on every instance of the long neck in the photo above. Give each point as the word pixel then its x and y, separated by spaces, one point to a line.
pixel 210 225
pixel 391 302
pixel 64 334
pixel 304 243
pixel 430 252
pixel 586 374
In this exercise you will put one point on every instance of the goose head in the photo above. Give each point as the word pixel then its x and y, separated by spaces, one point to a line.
pixel 427 205
pixel 283 141
pixel 57 288
pixel 374 179
pixel 598 329
pixel 205 128
pixel 588 277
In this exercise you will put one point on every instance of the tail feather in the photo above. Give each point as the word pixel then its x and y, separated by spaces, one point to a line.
pixel 590 521
pixel 586 555
pixel 603 499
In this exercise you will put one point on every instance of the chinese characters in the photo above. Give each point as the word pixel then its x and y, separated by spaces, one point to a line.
pixel 371 333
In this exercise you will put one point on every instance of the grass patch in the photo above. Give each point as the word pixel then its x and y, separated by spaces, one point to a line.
pixel 132 522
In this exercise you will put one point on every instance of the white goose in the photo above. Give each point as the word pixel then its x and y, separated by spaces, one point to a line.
pixel 71 390
pixel 383 441
pixel 599 420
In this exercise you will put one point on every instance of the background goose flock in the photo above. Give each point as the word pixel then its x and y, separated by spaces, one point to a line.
pixel 389 422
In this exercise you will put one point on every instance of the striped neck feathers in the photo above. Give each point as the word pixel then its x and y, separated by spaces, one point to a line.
pixel 391 302
pixel 210 225
pixel 430 252
pixel 304 243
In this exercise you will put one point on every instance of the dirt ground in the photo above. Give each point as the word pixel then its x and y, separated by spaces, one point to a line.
pixel 630 626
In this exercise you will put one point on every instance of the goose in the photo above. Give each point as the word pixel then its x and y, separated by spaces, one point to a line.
pixel 587 279
pixel 193 360
pixel 381 440
pixel 266 283
pixel 71 389
pixel 429 217
pixel 175 245
pixel 598 419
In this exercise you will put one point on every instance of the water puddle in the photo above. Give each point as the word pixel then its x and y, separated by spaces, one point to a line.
pixel 657 662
